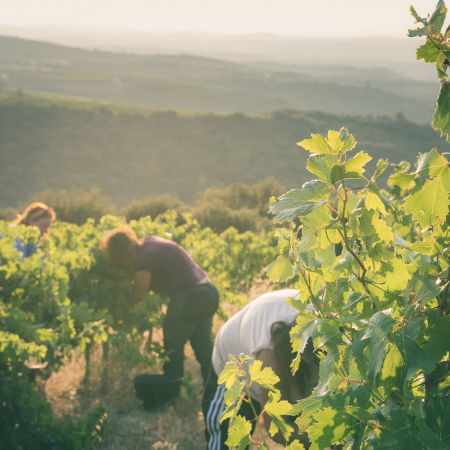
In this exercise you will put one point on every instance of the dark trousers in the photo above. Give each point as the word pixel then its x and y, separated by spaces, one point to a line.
pixel 189 317
pixel 213 405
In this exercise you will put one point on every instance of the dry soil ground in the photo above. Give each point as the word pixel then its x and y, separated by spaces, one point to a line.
pixel 176 426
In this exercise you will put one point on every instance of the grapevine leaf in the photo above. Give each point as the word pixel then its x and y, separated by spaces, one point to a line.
pixel 317 218
pixel 429 205
pixel 392 372
pixel 378 329
pixel 439 341
pixel 233 399
pixel 397 275
pixel 437 164
pixel 239 433
pixel 342 141
pixel 415 357
pixel 308 240
pixel 298 202
pixel 424 290
pixel 305 328
pixel 400 242
pixel 382 165
pixel 441 117
pixel 233 393
pixel 339 173
pixel 315 190
pixel 374 202
pixel 276 408
pixel 442 65
pixel 317 144
pixel 307 406
pixel 264 377
pixel 416 16
pixel 404 181
pixel 330 428
pixel 429 439
pixel 229 375
pixel 295 445
pixel 425 159
pixel 426 247
pixel 418 32
pixel 281 270
pixel 371 225
pixel 428 52
pixel 320 166
pixel 357 163
pixel 438 17
pixel 327 371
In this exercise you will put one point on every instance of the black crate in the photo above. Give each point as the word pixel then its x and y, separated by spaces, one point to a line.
pixel 156 390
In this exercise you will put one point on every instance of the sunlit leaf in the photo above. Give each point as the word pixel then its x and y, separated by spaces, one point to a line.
pixel 429 205
pixel 264 377
pixel 239 432
pixel 317 144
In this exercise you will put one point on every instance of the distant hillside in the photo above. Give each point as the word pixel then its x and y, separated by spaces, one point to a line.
pixel 397 54
pixel 131 153
pixel 184 82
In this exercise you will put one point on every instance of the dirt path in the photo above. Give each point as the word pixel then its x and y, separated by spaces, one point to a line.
pixel 178 425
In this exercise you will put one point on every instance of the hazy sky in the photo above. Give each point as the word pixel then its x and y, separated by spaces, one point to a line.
pixel 325 18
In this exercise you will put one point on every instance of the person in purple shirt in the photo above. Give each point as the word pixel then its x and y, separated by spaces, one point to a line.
pixel 163 266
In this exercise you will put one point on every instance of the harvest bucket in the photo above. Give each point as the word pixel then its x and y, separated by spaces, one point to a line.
pixel 156 390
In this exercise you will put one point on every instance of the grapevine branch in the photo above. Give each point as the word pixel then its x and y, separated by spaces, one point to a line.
pixel 307 282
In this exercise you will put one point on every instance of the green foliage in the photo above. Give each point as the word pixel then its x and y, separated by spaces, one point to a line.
pixel 379 304
pixel 66 297
pixel 375 265
pixel 26 420
pixel 152 206
pixel 75 205
pixel 436 50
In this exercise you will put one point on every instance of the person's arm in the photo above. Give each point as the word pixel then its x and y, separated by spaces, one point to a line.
pixel 141 280
pixel 268 359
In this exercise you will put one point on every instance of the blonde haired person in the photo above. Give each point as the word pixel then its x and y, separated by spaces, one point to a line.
pixel 36 214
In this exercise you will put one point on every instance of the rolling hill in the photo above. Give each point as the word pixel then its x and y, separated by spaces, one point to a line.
pixel 187 82
pixel 131 152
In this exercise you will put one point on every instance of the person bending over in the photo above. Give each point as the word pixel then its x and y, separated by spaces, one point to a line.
pixel 261 331
pixel 163 266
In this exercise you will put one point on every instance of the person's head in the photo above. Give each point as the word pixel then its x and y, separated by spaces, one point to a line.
pixel 301 384
pixel 120 246
pixel 37 214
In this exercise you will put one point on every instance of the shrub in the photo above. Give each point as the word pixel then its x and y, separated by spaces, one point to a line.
pixel 76 205
pixel 217 216
pixel 152 206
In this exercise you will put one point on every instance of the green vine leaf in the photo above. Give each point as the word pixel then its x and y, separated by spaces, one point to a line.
pixel 378 329
pixel 281 270
pixel 266 377
pixel 239 433
pixel 429 205
pixel 441 117
pixel 317 144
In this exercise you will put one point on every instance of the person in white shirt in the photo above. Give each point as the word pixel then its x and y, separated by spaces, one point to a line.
pixel 261 331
